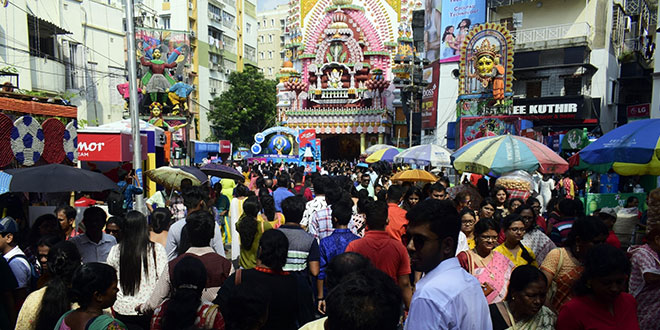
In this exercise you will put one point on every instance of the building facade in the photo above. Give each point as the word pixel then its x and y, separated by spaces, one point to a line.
pixel 270 40
pixel 223 39
pixel 68 49
pixel 593 54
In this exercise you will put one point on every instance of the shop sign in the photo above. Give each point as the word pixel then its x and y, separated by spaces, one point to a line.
pixel 552 108
pixel 431 75
pixel 225 146
pixel 639 111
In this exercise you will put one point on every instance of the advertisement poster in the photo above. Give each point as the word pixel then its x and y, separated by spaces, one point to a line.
pixel 318 152
pixel 458 17
pixel 307 149
pixel 431 75
pixel 472 128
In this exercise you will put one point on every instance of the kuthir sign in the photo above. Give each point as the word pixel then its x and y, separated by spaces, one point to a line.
pixel 566 107
pixel 545 109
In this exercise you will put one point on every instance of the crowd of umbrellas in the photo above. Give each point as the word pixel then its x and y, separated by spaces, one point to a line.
pixel 631 149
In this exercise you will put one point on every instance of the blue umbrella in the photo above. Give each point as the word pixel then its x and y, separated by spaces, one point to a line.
pixel 632 149
pixel 425 154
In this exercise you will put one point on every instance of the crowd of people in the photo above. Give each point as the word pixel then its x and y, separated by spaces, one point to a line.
pixel 341 248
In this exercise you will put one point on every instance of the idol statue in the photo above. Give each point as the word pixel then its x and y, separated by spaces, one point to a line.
pixel 489 70
pixel 334 79
pixel 158 80
pixel 157 120
pixel 178 95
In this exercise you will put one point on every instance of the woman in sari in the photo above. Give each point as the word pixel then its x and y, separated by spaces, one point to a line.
pixel 513 248
pixel 491 268
pixel 563 266
pixel 535 239
pixel 523 308
pixel 94 288
pixel 241 192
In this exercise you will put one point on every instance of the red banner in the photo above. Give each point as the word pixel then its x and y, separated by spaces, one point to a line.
pixel 431 75
pixel 225 146
pixel 103 147
pixel 639 111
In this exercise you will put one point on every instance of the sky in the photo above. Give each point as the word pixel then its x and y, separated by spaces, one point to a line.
pixel 269 4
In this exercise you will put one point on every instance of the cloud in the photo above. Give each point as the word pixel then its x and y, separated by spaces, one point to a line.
pixel 263 5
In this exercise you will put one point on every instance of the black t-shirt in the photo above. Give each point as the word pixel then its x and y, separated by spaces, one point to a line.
pixel 281 289
pixel 7 284
pixel 496 317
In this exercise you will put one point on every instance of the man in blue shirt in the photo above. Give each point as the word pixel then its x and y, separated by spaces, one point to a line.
pixel 128 187
pixel 336 243
pixel 282 192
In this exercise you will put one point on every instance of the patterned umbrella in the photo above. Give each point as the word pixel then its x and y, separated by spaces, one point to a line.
pixel 632 149
pixel 506 153
pixel 414 176
pixel 171 177
pixel 383 154
pixel 425 154
pixel 376 147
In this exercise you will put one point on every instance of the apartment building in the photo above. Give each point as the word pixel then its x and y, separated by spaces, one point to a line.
pixel 66 48
pixel 270 40
pixel 223 39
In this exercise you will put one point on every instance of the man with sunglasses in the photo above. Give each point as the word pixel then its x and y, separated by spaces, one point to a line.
pixel 447 297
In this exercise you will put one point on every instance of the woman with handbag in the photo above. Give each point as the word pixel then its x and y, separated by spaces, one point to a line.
pixel 491 268
pixel 185 308
pixel 139 262
pixel 563 266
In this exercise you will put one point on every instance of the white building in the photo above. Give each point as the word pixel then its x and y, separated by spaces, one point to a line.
pixel 67 47
pixel 270 40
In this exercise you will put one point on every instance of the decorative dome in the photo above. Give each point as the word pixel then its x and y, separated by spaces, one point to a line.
pixel 287 64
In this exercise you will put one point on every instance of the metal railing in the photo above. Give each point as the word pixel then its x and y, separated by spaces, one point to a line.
pixel 552 32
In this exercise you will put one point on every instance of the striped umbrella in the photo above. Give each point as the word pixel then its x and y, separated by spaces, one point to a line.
pixel 631 149
pixel 425 154
pixel 376 147
pixel 506 153
pixel 384 154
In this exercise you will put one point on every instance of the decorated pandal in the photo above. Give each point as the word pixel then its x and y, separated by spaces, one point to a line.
pixel 339 71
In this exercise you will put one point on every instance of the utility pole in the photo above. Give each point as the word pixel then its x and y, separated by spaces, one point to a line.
pixel 133 103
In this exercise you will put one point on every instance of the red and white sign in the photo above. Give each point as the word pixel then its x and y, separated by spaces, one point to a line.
pixel 108 147
pixel 225 146
pixel 639 110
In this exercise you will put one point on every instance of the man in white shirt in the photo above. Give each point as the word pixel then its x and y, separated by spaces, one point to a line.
pixel 94 245
pixel 447 297
pixel 318 203
pixel 15 257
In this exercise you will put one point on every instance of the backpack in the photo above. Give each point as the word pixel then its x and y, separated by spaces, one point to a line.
pixel 116 202
pixel 34 275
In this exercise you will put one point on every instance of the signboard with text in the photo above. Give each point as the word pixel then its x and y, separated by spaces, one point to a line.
pixel 458 17
pixel 431 75
pixel 638 111
pixel 307 149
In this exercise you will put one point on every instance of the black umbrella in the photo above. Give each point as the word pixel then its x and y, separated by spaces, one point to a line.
pixel 222 171
pixel 201 176
pixel 57 178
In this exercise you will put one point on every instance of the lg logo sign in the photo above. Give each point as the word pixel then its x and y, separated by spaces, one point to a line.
pixel 92 146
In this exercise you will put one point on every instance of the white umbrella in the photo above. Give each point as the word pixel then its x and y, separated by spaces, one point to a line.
pixel 425 154
pixel 376 147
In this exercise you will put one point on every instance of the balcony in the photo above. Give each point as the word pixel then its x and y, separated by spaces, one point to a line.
pixel 553 36
pixel 47 74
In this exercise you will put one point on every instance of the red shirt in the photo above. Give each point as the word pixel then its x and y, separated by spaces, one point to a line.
pixel 583 312
pixel 385 253
pixel 84 202
pixel 398 222
pixel 613 240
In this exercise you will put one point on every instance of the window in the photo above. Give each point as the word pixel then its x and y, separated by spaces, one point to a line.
pixel 261 55
pixel 573 86
pixel 248 27
pixel 228 20
pixel 258 25
pixel 229 43
pixel 533 89
pixel 282 23
pixel 270 71
pixel 262 39
pixel 165 20
pixel 264 23
pixel 250 53
pixel 215 11
pixel 270 54
pixel 40 39
pixel 270 38
pixel 272 22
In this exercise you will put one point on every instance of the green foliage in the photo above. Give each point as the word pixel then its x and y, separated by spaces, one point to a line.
pixel 246 108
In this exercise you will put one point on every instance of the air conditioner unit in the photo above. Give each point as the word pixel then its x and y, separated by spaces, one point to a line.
pixel 227 71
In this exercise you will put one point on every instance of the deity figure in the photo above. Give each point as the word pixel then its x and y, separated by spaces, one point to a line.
pixel 157 120
pixel 125 92
pixel 488 69
pixel 334 78
pixel 157 80
pixel 178 95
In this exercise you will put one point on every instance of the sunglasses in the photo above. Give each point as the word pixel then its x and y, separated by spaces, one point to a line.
pixel 418 240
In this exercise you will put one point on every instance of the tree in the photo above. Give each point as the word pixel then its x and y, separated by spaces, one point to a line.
pixel 247 108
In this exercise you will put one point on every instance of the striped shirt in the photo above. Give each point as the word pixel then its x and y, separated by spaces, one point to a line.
pixel 303 248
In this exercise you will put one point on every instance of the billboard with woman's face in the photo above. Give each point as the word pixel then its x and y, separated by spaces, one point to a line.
pixel 445 26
